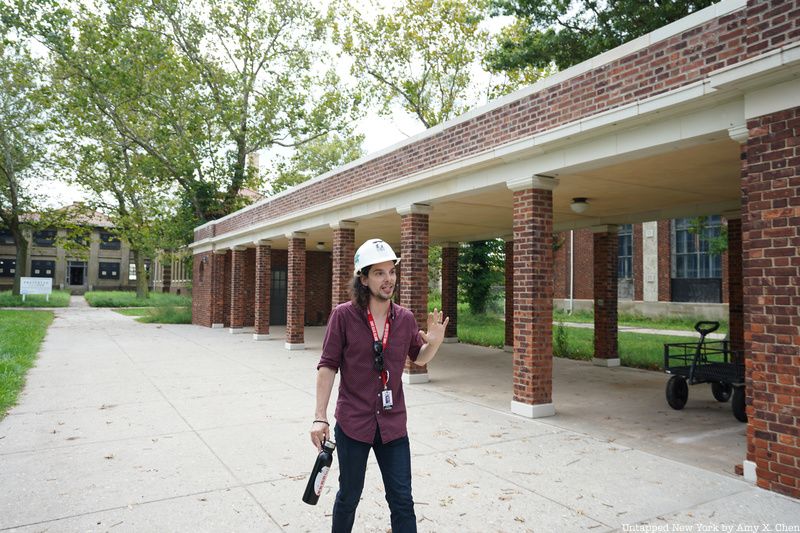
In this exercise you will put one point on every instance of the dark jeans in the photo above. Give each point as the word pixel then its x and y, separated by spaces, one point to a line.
pixel 394 460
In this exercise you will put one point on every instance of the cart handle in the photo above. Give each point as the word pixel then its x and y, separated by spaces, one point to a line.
pixel 704 327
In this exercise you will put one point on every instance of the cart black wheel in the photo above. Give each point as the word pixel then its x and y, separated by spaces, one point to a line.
pixel 738 404
pixel 721 391
pixel 677 392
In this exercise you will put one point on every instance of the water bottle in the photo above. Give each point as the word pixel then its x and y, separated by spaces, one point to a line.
pixel 320 472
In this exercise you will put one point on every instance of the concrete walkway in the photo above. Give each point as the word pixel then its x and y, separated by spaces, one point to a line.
pixel 132 427
pixel 648 331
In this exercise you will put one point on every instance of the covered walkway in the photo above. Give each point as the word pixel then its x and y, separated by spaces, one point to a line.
pixel 700 117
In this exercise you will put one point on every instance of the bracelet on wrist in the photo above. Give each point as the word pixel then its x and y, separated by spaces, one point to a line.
pixel 322 422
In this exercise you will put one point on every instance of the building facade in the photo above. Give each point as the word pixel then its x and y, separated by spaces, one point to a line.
pixel 699 118
pixel 104 262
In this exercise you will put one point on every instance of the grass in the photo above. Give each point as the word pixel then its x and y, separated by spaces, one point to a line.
pixel 21 333
pixel 159 315
pixel 627 319
pixel 129 299
pixel 57 299
pixel 638 350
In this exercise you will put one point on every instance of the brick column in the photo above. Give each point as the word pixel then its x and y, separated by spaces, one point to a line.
pixel 771 276
pixel 450 289
pixel 218 288
pixel 533 296
pixel 263 285
pixel 508 345
pixel 414 253
pixel 606 251
pixel 735 294
pixel 237 289
pixel 344 249
pixel 296 292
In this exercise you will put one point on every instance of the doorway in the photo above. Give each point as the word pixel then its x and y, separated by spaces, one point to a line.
pixel 76 273
pixel 277 297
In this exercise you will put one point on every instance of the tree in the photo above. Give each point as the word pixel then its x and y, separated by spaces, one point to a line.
pixel 480 265
pixel 564 33
pixel 315 158
pixel 198 86
pixel 419 55
pixel 256 61
pixel 23 140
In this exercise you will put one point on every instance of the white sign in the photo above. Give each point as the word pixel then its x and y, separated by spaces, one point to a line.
pixel 36 286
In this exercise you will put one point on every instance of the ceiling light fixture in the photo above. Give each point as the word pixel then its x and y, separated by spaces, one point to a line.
pixel 579 205
pixel 320 245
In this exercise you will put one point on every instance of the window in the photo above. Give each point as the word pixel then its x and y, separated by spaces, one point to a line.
pixel 692 259
pixel 109 241
pixel 43 269
pixel 6 237
pixel 45 238
pixel 132 269
pixel 7 268
pixel 108 271
pixel 625 255
pixel 80 238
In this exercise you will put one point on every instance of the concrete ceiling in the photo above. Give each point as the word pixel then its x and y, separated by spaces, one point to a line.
pixel 682 182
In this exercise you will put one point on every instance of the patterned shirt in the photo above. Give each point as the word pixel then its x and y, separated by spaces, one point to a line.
pixel 348 348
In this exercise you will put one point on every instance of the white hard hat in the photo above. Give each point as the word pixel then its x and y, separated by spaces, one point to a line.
pixel 372 252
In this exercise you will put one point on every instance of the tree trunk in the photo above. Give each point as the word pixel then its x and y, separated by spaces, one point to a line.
pixel 141 275
pixel 21 268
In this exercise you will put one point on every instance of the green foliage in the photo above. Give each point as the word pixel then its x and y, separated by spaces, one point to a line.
pixel 315 158
pixel 24 137
pixel 681 323
pixel 481 264
pixel 434 267
pixel 418 55
pixel 129 299
pixel 21 334
pixel 562 33
pixel 560 341
pixel 167 315
pixel 57 299
pixel 714 237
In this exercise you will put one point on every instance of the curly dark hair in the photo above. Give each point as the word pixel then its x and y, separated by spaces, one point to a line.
pixel 359 292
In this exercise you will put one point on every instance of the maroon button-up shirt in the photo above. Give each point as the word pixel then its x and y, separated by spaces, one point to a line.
pixel 347 348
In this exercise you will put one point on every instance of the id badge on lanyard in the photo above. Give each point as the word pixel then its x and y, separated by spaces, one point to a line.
pixel 386 393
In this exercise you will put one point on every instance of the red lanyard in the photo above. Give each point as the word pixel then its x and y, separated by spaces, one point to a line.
pixel 385 340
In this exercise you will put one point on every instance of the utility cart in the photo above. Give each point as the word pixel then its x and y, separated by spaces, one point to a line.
pixel 705 361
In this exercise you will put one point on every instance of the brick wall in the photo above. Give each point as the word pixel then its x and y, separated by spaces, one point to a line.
pixel 671 63
pixel 226 289
pixel 606 247
pixel 414 242
pixel 450 288
pixel 296 304
pixel 664 261
pixel 237 287
pixel 319 266
pixel 249 288
pixel 344 249
pixel 263 284
pixel 771 276
pixel 583 264
pixel 771 24
pixel 533 296
pixel 202 274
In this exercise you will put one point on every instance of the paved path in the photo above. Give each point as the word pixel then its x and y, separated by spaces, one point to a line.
pixel 132 427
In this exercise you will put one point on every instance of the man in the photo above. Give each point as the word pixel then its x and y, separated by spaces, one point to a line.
pixel 368 339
